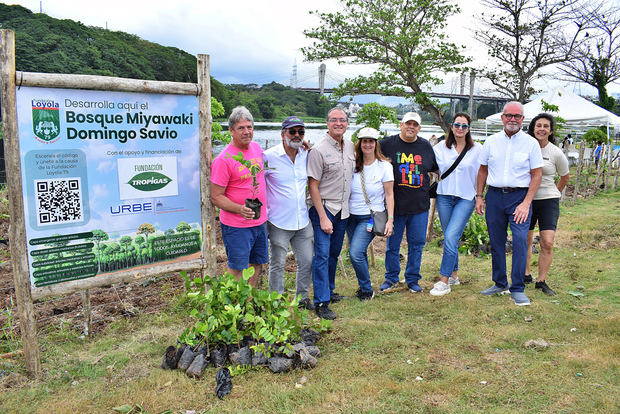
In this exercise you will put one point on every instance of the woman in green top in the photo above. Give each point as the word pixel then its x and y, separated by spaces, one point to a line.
pixel 546 203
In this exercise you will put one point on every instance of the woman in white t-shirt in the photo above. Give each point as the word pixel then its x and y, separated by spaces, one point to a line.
pixel 546 203
pixel 378 177
pixel 456 196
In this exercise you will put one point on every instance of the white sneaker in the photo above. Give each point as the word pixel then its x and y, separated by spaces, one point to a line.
pixel 454 281
pixel 440 288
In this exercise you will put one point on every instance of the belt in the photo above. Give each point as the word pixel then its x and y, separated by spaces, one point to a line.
pixel 508 189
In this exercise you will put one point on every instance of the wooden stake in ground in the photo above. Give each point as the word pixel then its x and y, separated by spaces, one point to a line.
pixel 581 161
pixel 87 313
pixel 431 219
pixel 17 229
pixel 371 251
pixel 209 246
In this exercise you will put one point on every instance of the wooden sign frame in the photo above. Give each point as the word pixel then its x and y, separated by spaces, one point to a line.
pixel 24 292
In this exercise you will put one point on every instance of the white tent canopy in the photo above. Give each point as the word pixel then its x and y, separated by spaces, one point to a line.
pixel 573 108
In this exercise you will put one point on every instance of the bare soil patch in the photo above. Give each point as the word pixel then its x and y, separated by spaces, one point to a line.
pixel 108 304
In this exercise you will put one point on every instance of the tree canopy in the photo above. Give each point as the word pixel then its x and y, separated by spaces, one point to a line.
pixel 524 36
pixel 404 39
pixel 597 59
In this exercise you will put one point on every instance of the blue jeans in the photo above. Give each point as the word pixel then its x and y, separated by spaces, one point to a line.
pixel 499 214
pixel 416 238
pixel 454 212
pixel 326 251
pixel 359 239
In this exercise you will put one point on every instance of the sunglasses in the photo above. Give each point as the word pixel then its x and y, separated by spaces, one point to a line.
pixel 299 131
pixel 510 116
pixel 460 126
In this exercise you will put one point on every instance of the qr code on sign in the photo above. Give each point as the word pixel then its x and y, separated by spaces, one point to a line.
pixel 59 201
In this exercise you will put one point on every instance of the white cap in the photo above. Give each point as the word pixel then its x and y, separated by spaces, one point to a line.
pixel 368 132
pixel 412 116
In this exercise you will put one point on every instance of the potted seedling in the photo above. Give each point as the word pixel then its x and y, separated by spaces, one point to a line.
pixel 255 169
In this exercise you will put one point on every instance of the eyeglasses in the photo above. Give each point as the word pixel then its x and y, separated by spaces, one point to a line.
pixel 294 132
pixel 511 116
pixel 341 120
pixel 460 126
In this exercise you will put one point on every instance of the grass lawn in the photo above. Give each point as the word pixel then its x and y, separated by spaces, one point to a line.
pixel 400 352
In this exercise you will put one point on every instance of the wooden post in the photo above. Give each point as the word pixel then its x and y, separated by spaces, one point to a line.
pixel 371 250
pixel 347 245
pixel 598 167
pixel 580 163
pixel 209 246
pixel 87 314
pixel 607 170
pixel 17 230
pixel 431 219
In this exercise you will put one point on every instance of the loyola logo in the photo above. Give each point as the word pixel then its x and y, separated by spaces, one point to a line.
pixel 45 120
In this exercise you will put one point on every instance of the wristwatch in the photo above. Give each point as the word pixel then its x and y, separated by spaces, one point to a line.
pixel 479 195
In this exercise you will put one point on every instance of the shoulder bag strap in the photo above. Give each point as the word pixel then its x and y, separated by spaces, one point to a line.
pixel 455 164
pixel 363 183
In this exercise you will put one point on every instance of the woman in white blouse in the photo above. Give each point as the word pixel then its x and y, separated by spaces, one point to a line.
pixel 455 195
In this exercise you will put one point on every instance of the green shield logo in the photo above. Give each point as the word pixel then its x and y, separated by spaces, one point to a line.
pixel 45 123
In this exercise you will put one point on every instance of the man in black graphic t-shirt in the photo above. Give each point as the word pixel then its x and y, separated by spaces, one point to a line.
pixel 412 159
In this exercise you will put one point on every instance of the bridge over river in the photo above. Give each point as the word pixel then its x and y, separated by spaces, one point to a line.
pixel 459 101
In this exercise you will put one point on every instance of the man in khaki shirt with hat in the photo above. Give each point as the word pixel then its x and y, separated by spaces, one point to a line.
pixel 330 170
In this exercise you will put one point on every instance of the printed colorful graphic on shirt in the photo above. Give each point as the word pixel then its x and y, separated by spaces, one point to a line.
pixel 409 173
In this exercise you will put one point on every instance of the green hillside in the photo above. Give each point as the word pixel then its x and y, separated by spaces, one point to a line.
pixel 46 44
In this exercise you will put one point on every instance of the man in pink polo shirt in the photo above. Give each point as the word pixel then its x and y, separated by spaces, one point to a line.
pixel 245 238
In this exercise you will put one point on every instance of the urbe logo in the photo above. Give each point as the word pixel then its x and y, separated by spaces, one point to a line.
pixel 45 120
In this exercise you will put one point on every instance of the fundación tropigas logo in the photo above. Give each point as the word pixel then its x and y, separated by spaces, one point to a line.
pixel 147 177
pixel 45 120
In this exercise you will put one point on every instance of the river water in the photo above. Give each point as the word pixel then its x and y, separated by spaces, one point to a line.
pixel 267 134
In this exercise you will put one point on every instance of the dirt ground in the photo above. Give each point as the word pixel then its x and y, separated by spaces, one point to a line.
pixel 118 301
pixel 109 304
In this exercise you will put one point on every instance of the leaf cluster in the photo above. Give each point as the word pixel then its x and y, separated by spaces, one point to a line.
pixel 217 110
pixel 559 121
pixel 228 311
pixel 373 115
pixel 474 236
pixel 272 100
pixel 593 136
pixel 404 39
pixel 255 170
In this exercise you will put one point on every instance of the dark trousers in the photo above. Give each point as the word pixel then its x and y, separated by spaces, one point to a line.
pixel 500 207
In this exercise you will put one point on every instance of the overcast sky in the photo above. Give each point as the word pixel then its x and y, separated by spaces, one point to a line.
pixel 249 41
